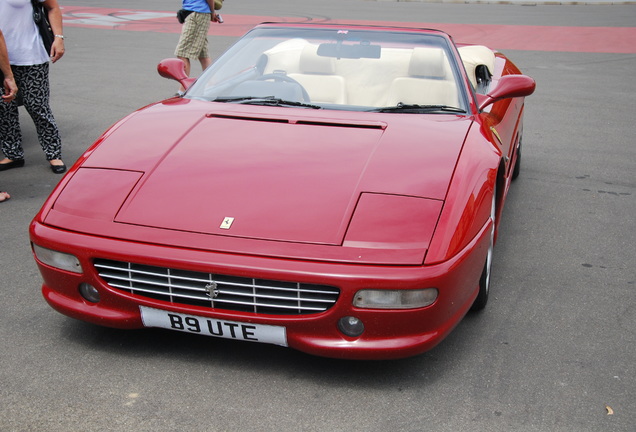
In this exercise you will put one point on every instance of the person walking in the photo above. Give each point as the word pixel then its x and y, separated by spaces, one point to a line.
pixel 193 42
pixel 8 89
pixel 30 65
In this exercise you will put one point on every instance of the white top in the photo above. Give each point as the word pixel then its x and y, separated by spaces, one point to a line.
pixel 21 34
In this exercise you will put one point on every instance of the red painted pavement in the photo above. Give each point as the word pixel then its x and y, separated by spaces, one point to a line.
pixel 512 37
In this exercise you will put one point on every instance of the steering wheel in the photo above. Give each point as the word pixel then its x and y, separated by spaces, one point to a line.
pixel 284 78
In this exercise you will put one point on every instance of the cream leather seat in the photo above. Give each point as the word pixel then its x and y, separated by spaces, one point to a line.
pixel 429 81
pixel 474 57
pixel 317 75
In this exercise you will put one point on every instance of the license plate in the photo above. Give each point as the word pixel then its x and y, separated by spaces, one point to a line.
pixel 213 327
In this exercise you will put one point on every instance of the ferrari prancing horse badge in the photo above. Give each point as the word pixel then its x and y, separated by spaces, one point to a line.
pixel 227 223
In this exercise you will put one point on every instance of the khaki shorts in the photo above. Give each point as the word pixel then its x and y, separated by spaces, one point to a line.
pixel 193 43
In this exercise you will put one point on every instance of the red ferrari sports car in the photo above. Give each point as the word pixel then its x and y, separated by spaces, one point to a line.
pixel 331 188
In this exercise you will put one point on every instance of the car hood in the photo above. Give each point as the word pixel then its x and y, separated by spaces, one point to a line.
pixel 274 174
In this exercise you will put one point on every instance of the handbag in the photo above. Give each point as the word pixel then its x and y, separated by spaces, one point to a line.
pixel 182 14
pixel 41 18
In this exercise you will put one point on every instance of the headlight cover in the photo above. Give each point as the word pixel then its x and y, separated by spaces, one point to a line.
pixel 395 299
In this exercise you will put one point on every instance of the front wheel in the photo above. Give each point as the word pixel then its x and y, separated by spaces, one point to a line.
pixel 484 280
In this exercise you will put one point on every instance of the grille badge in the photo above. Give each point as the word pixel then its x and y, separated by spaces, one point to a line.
pixel 212 290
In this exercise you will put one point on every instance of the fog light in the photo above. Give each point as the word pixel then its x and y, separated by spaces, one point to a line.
pixel 351 326
pixel 89 292
pixel 395 299
pixel 57 259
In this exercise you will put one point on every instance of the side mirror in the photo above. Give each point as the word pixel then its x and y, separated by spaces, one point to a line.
pixel 509 86
pixel 174 69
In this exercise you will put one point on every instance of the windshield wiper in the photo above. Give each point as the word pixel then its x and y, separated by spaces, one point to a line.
pixel 264 100
pixel 415 108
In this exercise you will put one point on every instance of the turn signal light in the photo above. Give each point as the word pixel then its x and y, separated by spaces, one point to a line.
pixel 58 260
pixel 395 299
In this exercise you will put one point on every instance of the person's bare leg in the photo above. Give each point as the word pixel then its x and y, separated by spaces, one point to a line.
pixel 186 62
pixel 205 62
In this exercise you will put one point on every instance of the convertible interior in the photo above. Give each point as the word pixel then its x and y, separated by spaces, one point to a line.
pixel 332 74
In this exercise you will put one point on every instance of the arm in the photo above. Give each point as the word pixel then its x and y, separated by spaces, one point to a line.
pixel 55 18
pixel 10 88
pixel 215 17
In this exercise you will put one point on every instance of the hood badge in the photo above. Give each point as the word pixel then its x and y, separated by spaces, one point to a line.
pixel 227 223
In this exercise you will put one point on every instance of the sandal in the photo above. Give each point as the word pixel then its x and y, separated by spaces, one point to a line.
pixel 4 196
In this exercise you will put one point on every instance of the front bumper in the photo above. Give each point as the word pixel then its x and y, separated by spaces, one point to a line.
pixel 388 333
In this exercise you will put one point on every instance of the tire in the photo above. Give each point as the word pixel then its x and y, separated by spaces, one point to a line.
pixel 484 280
pixel 517 168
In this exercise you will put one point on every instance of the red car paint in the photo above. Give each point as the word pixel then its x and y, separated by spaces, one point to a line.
pixel 346 198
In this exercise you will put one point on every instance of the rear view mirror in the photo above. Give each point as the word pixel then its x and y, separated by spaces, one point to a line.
pixel 349 51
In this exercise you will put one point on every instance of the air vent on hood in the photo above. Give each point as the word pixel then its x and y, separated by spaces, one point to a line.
pixel 238 117
pixel 313 122
pixel 377 125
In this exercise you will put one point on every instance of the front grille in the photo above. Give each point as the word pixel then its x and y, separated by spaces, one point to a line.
pixel 217 291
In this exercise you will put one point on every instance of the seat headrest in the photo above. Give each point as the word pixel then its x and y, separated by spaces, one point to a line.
pixel 312 63
pixel 474 55
pixel 427 62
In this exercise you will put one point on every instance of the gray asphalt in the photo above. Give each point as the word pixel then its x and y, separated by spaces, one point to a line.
pixel 553 351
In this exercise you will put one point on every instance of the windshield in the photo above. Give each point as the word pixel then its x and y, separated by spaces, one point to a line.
pixel 331 68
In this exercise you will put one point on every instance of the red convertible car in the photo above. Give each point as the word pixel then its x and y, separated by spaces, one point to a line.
pixel 331 188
